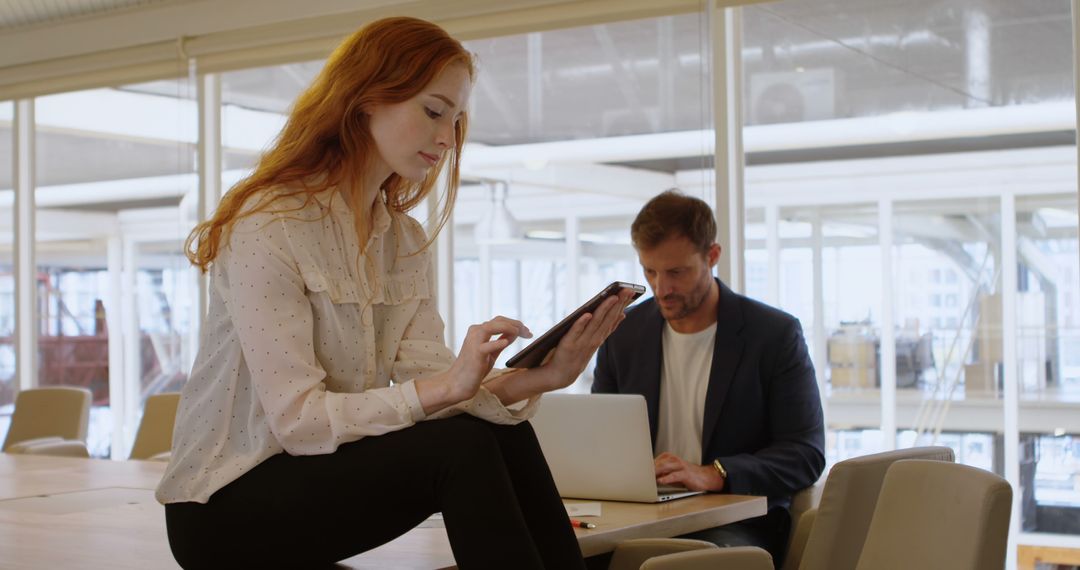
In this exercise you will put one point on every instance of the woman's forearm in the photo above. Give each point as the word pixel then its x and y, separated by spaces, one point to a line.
pixel 436 392
pixel 524 384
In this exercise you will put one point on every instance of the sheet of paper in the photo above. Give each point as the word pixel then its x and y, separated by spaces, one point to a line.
pixel 582 509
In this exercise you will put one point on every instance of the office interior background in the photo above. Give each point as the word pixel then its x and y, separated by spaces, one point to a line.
pixel 901 176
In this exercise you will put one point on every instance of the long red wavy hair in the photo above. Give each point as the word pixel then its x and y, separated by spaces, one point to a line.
pixel 326 139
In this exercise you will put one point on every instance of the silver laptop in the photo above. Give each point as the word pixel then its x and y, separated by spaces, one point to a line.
pixel 599 447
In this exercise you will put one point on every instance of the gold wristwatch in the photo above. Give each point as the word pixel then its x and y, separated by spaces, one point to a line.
pixel 720 469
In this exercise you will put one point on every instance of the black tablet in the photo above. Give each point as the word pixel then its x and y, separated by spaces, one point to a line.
pixel 533 355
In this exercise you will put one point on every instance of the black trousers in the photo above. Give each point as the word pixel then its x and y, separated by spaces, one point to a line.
pixel 491 482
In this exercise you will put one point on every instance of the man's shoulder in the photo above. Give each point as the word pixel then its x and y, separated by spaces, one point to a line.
pixel 755 311
pixel 764 322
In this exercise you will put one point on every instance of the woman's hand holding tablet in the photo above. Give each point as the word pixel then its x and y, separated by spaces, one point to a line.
pixel 573 330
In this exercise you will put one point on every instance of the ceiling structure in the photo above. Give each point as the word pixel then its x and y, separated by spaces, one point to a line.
pixel 803 66
pixel 21 14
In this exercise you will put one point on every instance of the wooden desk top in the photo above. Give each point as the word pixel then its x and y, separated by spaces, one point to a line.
pixel 87 513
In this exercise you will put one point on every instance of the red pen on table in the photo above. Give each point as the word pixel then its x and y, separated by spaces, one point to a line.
pixel 582 524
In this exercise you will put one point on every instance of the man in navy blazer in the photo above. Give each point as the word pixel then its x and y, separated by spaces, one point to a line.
pixel 730 389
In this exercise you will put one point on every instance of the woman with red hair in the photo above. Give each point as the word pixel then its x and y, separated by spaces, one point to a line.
pixel 324 415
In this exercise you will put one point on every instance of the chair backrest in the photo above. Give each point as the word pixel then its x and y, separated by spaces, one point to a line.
pixel 740 557
pixel 847 505
pixel 156 428
pixel 631 554
pixel 933 515
pixel 58 411
pixel 803 510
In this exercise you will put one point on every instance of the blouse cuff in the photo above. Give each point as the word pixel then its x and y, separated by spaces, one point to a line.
pixel 497 411
pixel 486 405
pixel 412 399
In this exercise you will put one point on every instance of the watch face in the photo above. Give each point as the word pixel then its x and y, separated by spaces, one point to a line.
pixel 720 468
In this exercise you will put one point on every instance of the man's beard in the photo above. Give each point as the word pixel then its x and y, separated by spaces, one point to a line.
pixel 687 303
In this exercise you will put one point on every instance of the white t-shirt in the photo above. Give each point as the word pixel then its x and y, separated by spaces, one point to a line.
pixel 684 379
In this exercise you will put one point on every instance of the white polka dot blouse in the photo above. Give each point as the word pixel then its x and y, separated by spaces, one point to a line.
pixel 310 342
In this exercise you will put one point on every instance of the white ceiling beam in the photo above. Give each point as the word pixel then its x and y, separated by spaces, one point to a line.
pixel 156 119
pixel 605 191
pixel 618 181
pixel 152 117
pixel 885 129
pixel 58 225
pixel 1045 170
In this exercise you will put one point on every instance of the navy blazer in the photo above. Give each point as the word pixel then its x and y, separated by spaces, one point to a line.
pixel 763 416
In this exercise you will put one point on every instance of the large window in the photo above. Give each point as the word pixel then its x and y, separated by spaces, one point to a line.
pixel 254 105
pixel 114 168
pixel 1048 336
pixel 540 228
pixel 885 142
pixel 7 273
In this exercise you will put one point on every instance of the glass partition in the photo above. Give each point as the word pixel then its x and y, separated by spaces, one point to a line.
pixel 947 292
pixel 7 268
pixel 542 221
pixel 941 117
pixel 115 170
pixel 1048 350
pixel 254 105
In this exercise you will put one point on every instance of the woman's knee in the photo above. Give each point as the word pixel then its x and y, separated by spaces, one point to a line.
pixel 465 438
pixel 522 432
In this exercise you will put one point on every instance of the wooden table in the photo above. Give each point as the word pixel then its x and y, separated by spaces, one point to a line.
pixel 1031 556
pixel 61 512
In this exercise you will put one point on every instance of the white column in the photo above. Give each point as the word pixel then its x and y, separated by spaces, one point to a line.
pixel 26 316
pixel 977 27
pixel 772 247
pixel 1076 79
pixel 1010 364
pixel 665 48
pixel 209 169
pixel 118 395
pixel 534 77
pixel 820 339
pixel 484 306
pixel 573 261
pixel 888 327
pixel 444 266
pixel 129 332
pixel 725 25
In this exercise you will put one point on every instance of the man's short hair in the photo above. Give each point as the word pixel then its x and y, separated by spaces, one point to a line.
pixel 672 214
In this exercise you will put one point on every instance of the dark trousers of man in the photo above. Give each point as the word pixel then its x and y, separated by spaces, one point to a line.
pixel 491 483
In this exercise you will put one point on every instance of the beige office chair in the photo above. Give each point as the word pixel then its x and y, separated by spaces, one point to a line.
pixel 803 511
pixel 933 515
pixel 631 554
pixel 154 438
pixel 830 537
pixel 838 529
pixel 50 421
pixel 736 557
